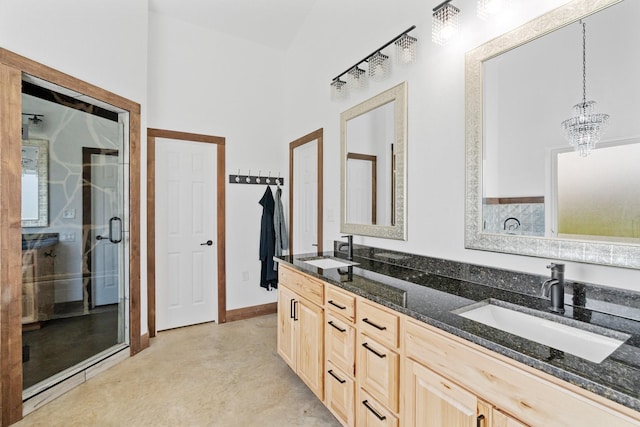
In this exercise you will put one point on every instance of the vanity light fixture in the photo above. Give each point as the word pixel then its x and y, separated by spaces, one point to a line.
pixel 445 23
pixel 585 128
pixel 406 49
pixel 489 8
pixel 379 65
pixel 339 89
pixel 358 78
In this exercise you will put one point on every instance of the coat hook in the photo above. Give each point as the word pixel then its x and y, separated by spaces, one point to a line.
pixel 268 180
pixel 258 177
pixel 238 176
pixel 249 177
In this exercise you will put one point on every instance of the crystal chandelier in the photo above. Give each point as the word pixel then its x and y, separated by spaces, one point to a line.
pixel 585 128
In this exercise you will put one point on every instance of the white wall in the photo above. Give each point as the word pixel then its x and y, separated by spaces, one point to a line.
pixel 330 42
pixel 103 42
pixel 201 81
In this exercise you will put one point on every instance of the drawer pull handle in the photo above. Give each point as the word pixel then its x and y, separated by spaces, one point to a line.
pixel 378 416
pixel 291 308
pixel 341 307
pixel 380 355
pixel 337 327
pixel 295 311
pixel 369 322
pixel 479 420
pixel 341 381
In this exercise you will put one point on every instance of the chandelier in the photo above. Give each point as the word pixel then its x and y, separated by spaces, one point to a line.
pixel 585 128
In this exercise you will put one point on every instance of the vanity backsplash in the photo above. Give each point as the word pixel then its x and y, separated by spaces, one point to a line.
pixel 620 302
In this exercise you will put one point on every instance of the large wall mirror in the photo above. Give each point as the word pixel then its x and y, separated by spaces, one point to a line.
pixel 373 140
pixel 35 183
pixel 528 191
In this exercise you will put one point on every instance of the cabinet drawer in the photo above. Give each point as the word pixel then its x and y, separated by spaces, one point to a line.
pixel 341 343
pixel 370 413
pixel 340 392
pixel 341 302
pixel 378 323
pixel 378 371
pixel 303 285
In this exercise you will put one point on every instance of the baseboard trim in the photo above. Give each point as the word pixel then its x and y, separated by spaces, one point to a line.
pixel 253 311
pixel 144 341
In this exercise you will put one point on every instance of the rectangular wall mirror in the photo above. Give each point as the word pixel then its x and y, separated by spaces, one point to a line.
pixel 35 184
pixel 528 191
pixel 373 140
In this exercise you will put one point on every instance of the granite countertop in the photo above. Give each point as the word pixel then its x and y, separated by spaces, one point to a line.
pixel 38 241
pixel 431 298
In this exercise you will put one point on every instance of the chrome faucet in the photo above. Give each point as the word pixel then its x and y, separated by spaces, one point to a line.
pixel 349 246
pixel 554 287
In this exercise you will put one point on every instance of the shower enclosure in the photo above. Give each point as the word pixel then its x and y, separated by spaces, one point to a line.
pixel 74 233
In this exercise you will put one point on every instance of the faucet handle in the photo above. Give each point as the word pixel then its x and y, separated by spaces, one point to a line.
pixel 555 266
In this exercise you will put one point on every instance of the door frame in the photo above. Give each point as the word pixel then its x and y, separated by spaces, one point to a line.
pixel 152 134
pixel 12 66
pixel 310 137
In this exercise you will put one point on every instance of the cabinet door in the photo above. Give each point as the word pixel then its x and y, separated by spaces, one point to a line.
pixel 341 343
pixel 286 336
pixel 501 419
pixel 309 324
pixel 433 401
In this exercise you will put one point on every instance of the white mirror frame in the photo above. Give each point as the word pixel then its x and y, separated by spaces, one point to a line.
pixel 43 183
pixel 397 231
pixel 593 252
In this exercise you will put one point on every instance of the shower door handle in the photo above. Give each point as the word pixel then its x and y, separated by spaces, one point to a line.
pixel 112 222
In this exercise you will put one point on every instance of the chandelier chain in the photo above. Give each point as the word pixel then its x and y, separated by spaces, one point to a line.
pixel 584 62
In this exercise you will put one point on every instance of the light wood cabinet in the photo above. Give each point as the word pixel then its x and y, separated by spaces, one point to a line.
pixel 37 284
pixel 378 359
pixel 301 331
pixel 340 365
pixel 433 401
pixel 535 398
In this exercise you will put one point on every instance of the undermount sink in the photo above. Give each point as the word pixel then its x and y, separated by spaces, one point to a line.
pixel 594 345
pixel 326 262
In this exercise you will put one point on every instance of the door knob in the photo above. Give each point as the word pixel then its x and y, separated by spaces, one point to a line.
pixel 207 243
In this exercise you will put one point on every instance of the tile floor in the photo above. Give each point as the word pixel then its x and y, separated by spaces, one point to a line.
pixel 203 375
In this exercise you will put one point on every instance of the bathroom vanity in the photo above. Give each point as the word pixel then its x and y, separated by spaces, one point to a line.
pixel 38 254
pixel 384 343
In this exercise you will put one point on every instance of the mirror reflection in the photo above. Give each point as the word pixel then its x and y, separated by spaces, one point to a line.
pixel 373 142
pixel 533 182
pixel 35 173
pixel 370 167
pixel 528 190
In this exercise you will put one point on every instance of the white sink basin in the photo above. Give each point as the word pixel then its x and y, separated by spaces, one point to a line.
pixel 579 342
pixel 326 262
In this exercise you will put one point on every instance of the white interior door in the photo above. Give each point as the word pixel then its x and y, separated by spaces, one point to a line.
pixel 186 225
pixel 359 192
pixel 107 226
pixel 305 198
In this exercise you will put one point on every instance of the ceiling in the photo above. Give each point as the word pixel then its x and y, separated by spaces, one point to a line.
pixel 272 23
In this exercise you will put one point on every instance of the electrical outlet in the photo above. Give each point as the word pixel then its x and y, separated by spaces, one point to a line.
pixel 68 237
pixel 245 276
pixel 69 214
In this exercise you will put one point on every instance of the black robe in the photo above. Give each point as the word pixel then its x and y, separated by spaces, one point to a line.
pixel 268 276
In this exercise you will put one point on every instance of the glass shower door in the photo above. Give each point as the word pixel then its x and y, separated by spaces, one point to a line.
pixel 74 252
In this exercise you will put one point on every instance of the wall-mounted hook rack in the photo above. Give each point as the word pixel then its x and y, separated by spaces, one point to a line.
pixel 255 179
